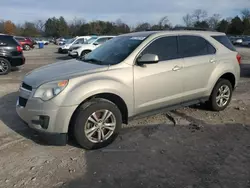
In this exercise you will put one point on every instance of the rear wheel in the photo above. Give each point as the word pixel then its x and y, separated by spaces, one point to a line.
pixel 221 95
pixel 5 66
pixel 26 47
pixel 97 123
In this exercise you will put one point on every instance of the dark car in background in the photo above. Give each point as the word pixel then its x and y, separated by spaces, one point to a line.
pixel 246 42
pixel 11 54
pixel 26 43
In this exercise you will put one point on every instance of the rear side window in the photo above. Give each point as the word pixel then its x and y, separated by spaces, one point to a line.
pixel 9 40
pixel 165 47
pixel 191 46
pixel 102 40
pixel 20 38
pixel 223 39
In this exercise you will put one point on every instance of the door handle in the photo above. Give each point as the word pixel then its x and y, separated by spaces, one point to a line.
pixel 212 61
pixel 177 68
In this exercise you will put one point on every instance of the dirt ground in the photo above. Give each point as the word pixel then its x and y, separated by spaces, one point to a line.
pixel 199 149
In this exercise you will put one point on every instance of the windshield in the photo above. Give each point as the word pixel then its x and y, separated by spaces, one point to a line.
pixel 69 41
pixel 114 51
pixel 91 40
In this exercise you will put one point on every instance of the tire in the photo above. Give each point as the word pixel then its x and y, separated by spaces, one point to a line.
pixel 26 47
pixel 5 66
pixel 85 52
pixel 82 124
pixel 213 102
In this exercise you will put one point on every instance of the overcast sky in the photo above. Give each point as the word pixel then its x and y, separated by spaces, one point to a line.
pixel 130 11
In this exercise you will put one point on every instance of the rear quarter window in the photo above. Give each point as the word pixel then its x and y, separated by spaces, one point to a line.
pixel 8 40
pixel 223 39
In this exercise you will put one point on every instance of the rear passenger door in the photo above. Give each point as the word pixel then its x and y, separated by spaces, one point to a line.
pixel 199 62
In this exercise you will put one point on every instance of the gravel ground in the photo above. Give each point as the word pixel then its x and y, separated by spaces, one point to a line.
pixel 201 149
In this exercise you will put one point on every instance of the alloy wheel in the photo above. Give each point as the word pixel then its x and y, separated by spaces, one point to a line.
pixel 3 66
pixel 100 126
pixel 223 95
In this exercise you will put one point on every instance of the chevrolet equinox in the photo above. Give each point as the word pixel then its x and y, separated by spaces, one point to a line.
pixel 130 75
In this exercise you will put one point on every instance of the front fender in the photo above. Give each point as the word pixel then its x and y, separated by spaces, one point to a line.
pixel 79 92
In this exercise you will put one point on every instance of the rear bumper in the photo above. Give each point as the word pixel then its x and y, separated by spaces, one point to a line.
pixel 17 61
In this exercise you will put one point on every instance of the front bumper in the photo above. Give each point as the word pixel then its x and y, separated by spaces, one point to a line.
pixel 59 118
pixel 63 50
pixel 73 53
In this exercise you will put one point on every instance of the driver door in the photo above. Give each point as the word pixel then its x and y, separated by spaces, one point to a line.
pixel 161 84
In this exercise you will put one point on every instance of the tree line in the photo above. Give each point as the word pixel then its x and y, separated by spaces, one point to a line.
pixel 57 27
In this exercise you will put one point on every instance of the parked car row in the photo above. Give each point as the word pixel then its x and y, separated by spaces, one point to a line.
pixel 72 42
pixel 79 50
pixel 26 43
pixel 130 75
pixel 240 40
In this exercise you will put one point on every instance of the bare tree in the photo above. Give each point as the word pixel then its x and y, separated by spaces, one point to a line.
pixel 245 13
pixel 75 25
pixel 188 20
pixel 164 23
pixel 39 24
pixel 214 20
pixel 199 15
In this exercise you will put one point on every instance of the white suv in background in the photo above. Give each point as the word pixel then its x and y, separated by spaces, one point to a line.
pixel 90 45
pixel 74 41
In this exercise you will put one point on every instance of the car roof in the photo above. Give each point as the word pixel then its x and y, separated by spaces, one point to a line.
pixel 103 36
pixel 171 32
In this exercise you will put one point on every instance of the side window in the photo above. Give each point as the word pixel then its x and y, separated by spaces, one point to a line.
pixel 79 41
pixel 191 46
pixel 165 48
pixel 210 48
pixel 101 40
pixel 19 38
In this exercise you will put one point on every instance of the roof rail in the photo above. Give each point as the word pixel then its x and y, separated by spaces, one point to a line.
pixel 192 28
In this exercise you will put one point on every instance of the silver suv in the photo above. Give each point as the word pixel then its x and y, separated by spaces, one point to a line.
pixel 130 75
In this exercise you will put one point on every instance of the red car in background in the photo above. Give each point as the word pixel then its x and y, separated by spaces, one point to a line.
pixel 26 43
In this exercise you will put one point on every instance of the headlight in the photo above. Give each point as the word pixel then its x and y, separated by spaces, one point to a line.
pixel 65 46
pixel 49 90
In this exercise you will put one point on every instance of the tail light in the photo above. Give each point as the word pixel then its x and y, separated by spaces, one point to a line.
pixel 238 57
pixel 19 49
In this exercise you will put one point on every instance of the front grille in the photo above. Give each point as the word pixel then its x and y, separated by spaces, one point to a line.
pixel 26 86
pixel 22 101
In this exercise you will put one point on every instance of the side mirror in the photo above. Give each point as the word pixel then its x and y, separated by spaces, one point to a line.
pixel 96 43
pixel 148 59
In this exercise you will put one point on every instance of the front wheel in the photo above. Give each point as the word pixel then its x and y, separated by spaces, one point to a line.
pixel 97 123
pixel 221 95
pixel 85 52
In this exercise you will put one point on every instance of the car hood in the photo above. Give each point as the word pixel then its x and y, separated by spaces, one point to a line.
pixel 81 46
pixel 61 70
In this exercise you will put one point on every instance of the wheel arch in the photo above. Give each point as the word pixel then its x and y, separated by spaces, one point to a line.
pixel 117 100
pixel 228 75
pixel 86 50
